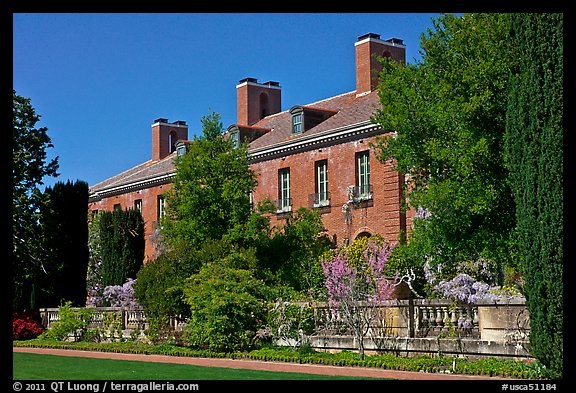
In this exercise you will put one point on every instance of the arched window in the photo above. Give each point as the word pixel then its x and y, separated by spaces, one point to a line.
pixel 172 138
pixel 363 234
pixel 264 105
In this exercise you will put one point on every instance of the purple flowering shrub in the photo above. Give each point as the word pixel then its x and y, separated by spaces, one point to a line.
pixel 121 295
pixel 114 296
pixel 348 285
pixel 472 281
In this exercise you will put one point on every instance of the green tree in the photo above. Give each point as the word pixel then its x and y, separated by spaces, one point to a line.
pixel 534 151
pixel 210 193
pixel 446 115
pixel 64 216
pixel 121 245
pixel 303 239
pixel 29 167
pixel 227 307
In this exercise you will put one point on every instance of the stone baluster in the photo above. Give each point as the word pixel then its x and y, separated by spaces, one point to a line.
pixel 446 320
pixel 460 314
pixel 424 312
pixel 475 317
pixel 439 319
pixel 432 317
pixel 454 318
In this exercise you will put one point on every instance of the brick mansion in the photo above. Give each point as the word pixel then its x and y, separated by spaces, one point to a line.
pixel 315 155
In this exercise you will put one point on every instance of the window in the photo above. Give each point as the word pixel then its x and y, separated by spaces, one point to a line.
pixel 321 197
pixel 181 150
pixel 161 207
pixel 117 206
pixel 284 201
pixel 363 174
pixel 138 205
pixel 297 123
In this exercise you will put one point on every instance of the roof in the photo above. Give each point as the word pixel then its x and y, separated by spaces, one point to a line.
pixel 350 110
pixel 149 171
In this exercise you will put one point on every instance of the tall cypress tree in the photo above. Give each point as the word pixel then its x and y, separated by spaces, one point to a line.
pixel 121 245
pixel 65 243
pixel 534 150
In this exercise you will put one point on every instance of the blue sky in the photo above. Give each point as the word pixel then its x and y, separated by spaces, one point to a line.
pixel 98 80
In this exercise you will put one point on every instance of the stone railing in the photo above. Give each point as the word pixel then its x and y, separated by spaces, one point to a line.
pixel 424 326
pixel 129 319
pixel 410 326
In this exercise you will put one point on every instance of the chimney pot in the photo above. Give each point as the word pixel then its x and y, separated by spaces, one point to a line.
pixel 253 80
pixel 369 35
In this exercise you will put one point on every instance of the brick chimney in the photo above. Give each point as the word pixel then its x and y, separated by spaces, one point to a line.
pixel 257 100
pixel 369 48
pixel 165 135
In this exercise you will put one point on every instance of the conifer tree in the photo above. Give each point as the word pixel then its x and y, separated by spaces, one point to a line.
pixel 534 152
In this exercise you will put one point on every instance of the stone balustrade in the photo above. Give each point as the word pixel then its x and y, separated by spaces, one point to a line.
pixel 103 317
pixel 408 326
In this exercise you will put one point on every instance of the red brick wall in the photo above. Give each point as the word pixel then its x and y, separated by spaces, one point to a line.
pixel 250 101
pixel 381 215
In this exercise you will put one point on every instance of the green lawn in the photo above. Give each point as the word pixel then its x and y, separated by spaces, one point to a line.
pixel 30 366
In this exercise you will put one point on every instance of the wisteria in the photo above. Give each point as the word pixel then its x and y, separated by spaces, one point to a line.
pixel 474 281
pixel 422 213
pixel 464 288
pixel 113 296
pixel 121 295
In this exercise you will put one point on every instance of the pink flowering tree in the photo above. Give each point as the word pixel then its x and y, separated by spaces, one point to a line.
pixel 359 293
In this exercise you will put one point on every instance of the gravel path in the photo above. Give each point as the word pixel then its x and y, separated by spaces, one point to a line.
pixel 261 365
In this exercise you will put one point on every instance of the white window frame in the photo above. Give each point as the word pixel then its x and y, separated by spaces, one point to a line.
pixel 363 175
pixel 284 190
pixel 297 120
pixel 161 207
pixel 322 183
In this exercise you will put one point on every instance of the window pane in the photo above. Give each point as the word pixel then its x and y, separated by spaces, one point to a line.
pixel 322 180
pixel 363 167
pixel 284 189
pixel 297 123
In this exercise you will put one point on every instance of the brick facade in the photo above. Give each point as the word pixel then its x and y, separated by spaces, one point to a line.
pixel 343 219
pixel 336 132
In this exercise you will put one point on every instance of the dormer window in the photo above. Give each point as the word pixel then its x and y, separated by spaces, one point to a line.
pixel 297 123
pixel 244 134
pixel 307 117
pixel 181 150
